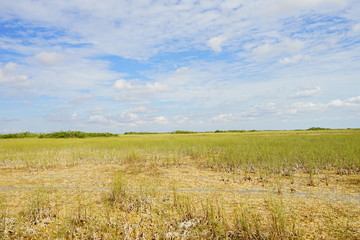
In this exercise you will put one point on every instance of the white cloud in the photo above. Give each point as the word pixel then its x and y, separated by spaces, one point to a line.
pixel 252 113
pixel 281 112
pixel 182 120
pixel 134 89
pixel 69 57
pixel 260 111
pixel 78 79
pixel 98 119
pixel 123 84
pixel 309 106
pixel 182 70
pixel 306 106
pixel 186 84
pixel 50 58
pixel 263 49
pixel 155 87
pixel 289 7
pixel 7 131
pixel 73 116
pixel 167 26
pixel 230 4
pixel 286 46
pixel 161 120
pixel 356 28
pixel 224 117
pixel 140 109
pixel 293 59
pixel 82 99
pixel 147 87
pixel 216 42
pixel 62 116
pixel 310 92
pixel 9 75
pixel 97 110
pixel 292 45
pixel 137 103
pixel 350 102
pixel 122 119
pixel 355 100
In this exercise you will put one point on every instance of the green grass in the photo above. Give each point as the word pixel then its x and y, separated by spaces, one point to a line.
pixel 139 171
pixel 275 151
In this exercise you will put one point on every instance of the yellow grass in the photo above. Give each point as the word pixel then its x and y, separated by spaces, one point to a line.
pixel 200 186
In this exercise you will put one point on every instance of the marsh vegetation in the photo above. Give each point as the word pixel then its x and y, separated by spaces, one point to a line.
pixel 224 185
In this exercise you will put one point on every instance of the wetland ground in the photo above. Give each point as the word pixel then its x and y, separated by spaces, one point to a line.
pixel 261 185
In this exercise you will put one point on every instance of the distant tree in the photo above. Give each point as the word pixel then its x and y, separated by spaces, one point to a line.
pixel 317 128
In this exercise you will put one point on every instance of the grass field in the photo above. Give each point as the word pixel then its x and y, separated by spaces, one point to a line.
pixel 258 185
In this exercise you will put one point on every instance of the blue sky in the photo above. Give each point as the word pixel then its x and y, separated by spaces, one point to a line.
pixel 117 66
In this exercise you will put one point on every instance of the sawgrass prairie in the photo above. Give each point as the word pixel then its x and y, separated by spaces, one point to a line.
pixel 258 185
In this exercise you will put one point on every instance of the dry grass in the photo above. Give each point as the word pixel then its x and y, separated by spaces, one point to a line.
pixel 148 188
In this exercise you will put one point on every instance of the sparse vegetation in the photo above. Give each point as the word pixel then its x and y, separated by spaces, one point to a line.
pixel 228 185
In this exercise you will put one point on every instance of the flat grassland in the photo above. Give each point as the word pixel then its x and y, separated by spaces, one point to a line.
pixel 260 185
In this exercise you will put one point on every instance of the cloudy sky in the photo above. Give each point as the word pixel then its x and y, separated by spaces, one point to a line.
pixel 137 65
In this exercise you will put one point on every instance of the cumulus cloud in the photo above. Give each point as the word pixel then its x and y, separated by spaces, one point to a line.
pixel 350 102
pixel 49 58
pixel 9 75
pixel 123 84
pixel 216 42
pixel 310 92
pixel 161 120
